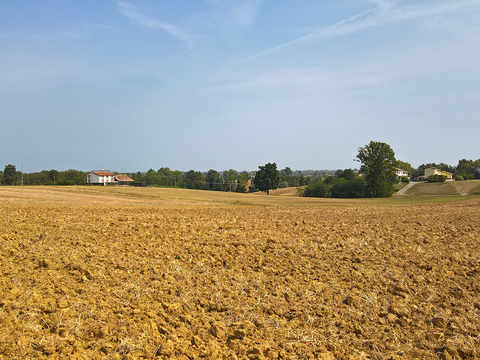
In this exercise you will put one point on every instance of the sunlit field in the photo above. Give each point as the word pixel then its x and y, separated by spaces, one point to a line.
pixel 138 273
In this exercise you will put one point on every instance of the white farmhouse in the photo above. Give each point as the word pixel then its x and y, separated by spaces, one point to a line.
pixel 100 177
pixel 401 172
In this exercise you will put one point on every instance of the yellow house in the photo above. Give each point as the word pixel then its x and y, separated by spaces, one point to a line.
pixel 434 171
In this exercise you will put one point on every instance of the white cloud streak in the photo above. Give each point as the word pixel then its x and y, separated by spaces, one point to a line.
pixel 243 12
pixel 128 10
pixel 386 12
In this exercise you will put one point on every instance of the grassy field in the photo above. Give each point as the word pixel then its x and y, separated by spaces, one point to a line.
pixel 449 188
pixel 169 197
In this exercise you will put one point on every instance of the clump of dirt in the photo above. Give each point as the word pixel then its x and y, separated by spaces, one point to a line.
pixel 240 282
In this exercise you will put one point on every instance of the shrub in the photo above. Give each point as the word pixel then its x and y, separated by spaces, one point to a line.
pixel 458 177
pixel 348 188
pixel 317 189
pixel 476 192
pixel 437 178
pixel 405 179
pixel 470 177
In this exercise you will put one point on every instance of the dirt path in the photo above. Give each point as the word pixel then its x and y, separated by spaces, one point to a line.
pixel 402 192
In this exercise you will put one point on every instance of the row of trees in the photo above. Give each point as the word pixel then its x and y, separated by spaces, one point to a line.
pixel 228 180
pixel 10 176
pixel 378 162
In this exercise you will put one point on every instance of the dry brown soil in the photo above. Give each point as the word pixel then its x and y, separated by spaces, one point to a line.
pixel 244 282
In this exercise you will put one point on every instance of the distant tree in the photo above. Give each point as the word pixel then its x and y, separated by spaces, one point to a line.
pixel 287 171
pixel 53 176
pixel 302 181
pixel 231 181
pixel 152 178
pixel 232 172
pixel 468 167
pixel 329 179
pixel 195 180
pixel 378 161
pixel 165 176
pixel 9 175
pixel 346 174
pixel 267 178
pixel 177 178
pixel 213 180
pixel 71 177
pixel 241 183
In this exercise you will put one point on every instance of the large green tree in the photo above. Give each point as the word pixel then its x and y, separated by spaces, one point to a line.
pixel 378 162
pixel 267 178
pixel 9 175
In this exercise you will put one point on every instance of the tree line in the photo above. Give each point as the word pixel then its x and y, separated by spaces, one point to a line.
pixel 377 180
pixel 228 180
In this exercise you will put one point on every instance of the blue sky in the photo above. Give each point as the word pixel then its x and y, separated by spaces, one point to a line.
pixel 133 85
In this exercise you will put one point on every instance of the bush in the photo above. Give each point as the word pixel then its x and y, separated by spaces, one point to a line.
pixel 437 178
pixel 458 177
pixel 470 177
pixel 317 189
pixel 405 179
pixel 283 184
pixel 476 192
pixel 348 188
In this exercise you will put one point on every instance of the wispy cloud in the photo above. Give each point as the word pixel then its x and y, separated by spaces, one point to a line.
pixel 387 11
pixel 241 12
pixel 129 11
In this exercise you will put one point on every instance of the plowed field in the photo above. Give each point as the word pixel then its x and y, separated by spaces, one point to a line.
pixel 240 282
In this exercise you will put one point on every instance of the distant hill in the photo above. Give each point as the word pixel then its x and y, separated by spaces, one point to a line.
pixel 447 188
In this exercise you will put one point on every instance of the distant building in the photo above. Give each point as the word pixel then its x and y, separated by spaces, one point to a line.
pixel 100 177
pixel 106 177
pixel 434 171
pixel 401 172
pixel 123 179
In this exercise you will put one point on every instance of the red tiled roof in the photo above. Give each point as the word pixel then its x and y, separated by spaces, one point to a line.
pixel 123 178
pixel 103 173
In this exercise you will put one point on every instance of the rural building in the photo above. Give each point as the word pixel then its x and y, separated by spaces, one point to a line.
pixel 123 179
pixel 434 171
pixel 100 177
pixel 106 177
pixel 401 172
